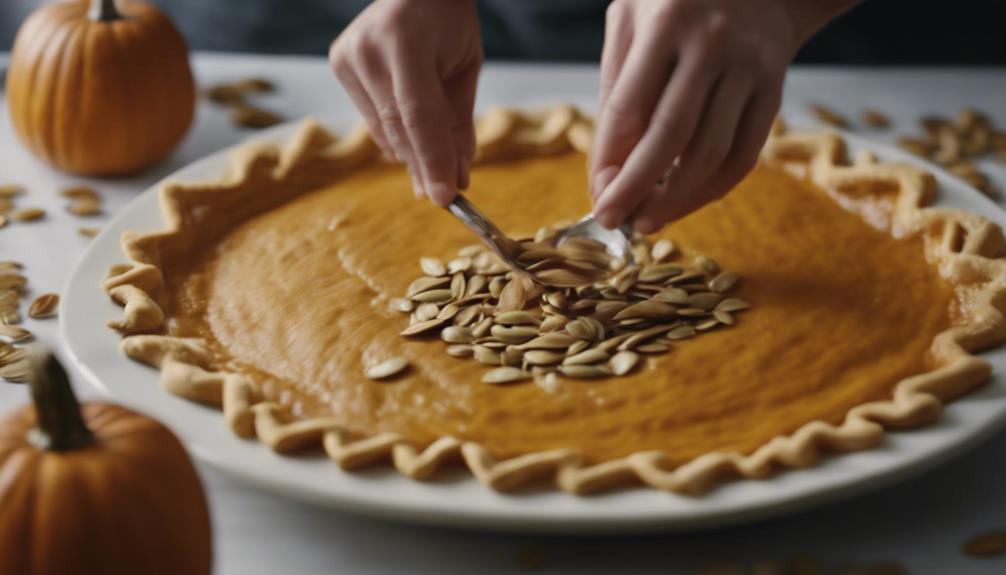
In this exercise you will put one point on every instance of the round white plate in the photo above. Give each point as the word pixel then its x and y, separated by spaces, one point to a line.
pixel 460 500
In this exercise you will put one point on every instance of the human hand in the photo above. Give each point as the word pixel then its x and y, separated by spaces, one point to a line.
pixel 689 89
pixel 411 68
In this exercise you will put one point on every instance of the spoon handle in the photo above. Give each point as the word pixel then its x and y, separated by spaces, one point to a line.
pixel 481 225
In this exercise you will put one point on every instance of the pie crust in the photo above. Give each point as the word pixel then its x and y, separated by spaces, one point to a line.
pixel 966 249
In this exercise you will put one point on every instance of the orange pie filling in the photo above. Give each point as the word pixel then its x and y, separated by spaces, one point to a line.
pixel 296 300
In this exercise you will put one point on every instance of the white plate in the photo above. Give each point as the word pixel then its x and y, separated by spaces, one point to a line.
pixel 461 500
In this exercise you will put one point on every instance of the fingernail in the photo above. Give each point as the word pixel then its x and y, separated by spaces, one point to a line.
pixel 601 181
pixel 441 194
pixel 464 177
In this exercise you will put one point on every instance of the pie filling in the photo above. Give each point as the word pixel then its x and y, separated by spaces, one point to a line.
pixel 296 299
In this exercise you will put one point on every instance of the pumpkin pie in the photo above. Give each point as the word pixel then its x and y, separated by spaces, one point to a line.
pixel 271 291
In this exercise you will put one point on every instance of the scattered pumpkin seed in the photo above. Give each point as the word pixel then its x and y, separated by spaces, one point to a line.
pixel 14 334
pixel 252 117
pixel 623 362
pixel 88 231
pixel 505 375
pixel 44 306
pixel 432 267
pixel 28 215
pixel 387 368
pixel 989 544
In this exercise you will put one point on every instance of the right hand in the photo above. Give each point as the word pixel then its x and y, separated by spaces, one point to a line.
pixel 411 68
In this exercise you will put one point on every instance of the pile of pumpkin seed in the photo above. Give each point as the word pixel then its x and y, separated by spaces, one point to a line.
pixel 485 311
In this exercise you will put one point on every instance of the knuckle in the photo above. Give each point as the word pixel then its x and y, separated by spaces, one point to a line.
pixel 624 118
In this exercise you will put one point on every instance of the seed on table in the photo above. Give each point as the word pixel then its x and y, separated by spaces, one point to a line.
pixel 28 215
pixel 425 284
pixel 432 267
pixel 505 375
pixel 515 318
pixel 483 354
pixel 14 334
pixel 652 347
pixel 437 296
pixel 682 332
pixel 732 305
pixel 88 231
pixel 10 190
pixel 427 311
pixel 704 300
pixel 251 117
pixel 623 362
pixel 875 119
pixel 662 250
pixel 829 116
pixel 254 85
pixel 44 306
pixel 387 368
pixel 3 220
pixel 723 317
pixel 989 544
pixel 550 341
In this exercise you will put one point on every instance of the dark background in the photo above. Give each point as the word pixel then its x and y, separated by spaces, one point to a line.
pixel 874 32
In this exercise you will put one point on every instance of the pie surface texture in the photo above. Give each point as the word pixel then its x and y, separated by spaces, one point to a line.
pixel 267 294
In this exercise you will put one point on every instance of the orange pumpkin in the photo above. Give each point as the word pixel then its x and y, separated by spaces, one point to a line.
pixel 95 490
pixel 99 91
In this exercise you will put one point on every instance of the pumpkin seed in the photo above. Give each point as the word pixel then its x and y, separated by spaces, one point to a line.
pixel 577 347
pixel 460 350
pixel 88 231
pixel 16 370
pixel 704 300
pixel 422 327
pixel 458 285
pixel 513 335
pixel 28 215
pixel 254 85
pixel 432 267
pixel 732 305
pixel 84 207
pixel 11 265
pixel 437 296
pixel 44 306
pixel 449 311
pixel 553 323
pixel 723 317
pixel 12 281
pixel 505 375
pixel 457 265
pixel 401 304
pixel 427 311
pixel 387 368
pixel 550 341
pixel 986 544
pixel 10 190
pixel 511 356
pixel 513 296
pixel 543 357
pixel 483 354
pixel 649 309
pixel 723 282
pixel 457 334
pixel 549 382
pixel 483 327
pixel 14 334
pixel 653 347
pixel 623 362
pixel 471 250
pixel 676 296
pixel 587 357
pixel 252 117
pixel 682 332
pixel 3 220
pixel 425 284
pixel 466 316
pixel 515 318
pixel 584 371
pixel 707 264
pixel 662 250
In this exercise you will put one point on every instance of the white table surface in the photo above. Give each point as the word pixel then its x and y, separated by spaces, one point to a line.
pixel 920 523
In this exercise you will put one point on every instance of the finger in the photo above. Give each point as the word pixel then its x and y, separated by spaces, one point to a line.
pixel 704 156
pixel 347 77
pixel 426 115
pixel 752 131
pixel 670 130
pixel 461 98
pixel 629 105
pixel 617 39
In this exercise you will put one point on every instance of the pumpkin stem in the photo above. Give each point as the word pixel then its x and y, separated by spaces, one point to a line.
pixel 103 11
pixel 60 425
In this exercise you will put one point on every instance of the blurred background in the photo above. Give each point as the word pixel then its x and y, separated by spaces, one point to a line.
pixel 875 32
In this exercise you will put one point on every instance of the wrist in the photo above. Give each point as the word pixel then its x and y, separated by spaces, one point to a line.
pixel 808 16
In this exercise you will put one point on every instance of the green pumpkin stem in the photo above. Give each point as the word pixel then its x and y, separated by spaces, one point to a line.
pixel 60 424
pixel 103 11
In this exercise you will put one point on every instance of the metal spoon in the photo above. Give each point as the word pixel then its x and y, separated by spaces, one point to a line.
pixel 616 242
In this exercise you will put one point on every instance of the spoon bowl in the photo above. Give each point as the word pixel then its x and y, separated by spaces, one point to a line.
pixel 554 261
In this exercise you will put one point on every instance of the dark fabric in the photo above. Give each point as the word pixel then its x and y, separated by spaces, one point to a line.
pixel 874 32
